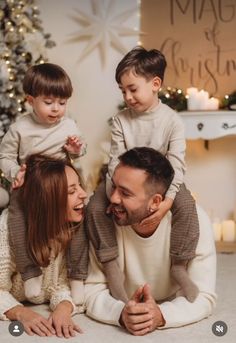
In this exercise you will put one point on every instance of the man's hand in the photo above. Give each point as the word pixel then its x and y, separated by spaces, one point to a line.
pixel 20 177
pixel 154 310
pixel 155 218
pixel 134 316
pixel 73 145
pixel 61 320
pixel 141 314
pixel 33 322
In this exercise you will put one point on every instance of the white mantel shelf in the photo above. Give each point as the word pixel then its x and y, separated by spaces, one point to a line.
pixel 209 124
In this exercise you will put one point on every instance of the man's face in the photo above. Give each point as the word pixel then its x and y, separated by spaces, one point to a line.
pixel 130 201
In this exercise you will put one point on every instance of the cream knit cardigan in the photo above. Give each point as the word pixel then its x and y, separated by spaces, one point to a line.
pixel 55 287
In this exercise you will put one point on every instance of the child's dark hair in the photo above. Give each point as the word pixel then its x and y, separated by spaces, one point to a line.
pixel 146 63
pixel 160 172
pixel 47 79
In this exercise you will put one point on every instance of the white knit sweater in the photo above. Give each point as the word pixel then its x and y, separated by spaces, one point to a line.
pixel 147 260
pixel 55 287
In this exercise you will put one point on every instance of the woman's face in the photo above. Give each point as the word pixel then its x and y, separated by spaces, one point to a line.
pixel 76 196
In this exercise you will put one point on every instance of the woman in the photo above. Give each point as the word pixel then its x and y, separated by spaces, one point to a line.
pixel 53 199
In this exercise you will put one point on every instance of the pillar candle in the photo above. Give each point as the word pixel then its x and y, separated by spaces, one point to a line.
pixel 228 231
pixel 217 230
pixel 212 104
pixel 203 98
pixel 192 98
pixel 191 90
pixel 235 214
pixel 198 100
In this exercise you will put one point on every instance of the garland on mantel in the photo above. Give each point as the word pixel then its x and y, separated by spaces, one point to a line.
pixel 176 99
pixel 173 97
pixel 229 101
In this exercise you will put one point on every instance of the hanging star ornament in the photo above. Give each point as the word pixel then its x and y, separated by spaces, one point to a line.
pixel 103 28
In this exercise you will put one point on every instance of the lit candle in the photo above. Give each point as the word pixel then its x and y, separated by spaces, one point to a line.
pixel 228 231
pixel 235 214
pixel 191 90
pixel 198 100
pixel 203 98
pixel 212 104
pixel 217 230
pixel 192 100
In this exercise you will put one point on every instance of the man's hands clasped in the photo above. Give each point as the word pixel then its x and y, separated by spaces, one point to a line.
pixel 141 314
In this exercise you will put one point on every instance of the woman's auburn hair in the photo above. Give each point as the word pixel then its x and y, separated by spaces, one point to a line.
pixel 45 194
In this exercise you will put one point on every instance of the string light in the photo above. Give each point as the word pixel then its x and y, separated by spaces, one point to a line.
pixel 18 20
pixel 173 97
pixel 229 101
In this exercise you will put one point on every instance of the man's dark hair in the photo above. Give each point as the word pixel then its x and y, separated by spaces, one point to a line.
pixel 47 79
pixel 159 170
pixel 145 63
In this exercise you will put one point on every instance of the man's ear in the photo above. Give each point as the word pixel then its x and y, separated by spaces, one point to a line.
pixel 156 83
pixel 155 202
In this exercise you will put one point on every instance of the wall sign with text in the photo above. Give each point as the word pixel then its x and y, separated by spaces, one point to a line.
pixel 198 39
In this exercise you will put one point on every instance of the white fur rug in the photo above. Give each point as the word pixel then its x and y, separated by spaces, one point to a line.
pixel 200 332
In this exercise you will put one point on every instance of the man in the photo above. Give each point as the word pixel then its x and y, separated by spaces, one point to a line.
pixel 140 182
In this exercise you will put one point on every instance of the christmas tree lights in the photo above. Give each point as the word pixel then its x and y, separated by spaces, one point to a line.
pixel 22 44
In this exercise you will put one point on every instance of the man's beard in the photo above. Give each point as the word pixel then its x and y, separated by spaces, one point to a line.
pixel 122 217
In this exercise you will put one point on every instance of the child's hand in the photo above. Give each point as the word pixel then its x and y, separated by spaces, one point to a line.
pixel 73 145
pixel 156 217
pixel 20 177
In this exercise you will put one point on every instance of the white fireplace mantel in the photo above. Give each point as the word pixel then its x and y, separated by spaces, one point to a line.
pixel 209 124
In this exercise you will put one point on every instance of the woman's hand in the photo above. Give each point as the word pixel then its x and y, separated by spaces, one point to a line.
pixel 61 320
pixel 33 322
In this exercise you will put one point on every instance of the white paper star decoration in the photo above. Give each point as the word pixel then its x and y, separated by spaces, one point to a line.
pixel 103 28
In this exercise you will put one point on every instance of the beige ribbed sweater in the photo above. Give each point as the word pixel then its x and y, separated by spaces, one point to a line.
pixel 161 129
pixel 28 136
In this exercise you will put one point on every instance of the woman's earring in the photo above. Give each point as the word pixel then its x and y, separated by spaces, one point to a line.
pixel 151 210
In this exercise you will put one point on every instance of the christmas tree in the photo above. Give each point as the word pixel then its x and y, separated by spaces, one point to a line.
pixel 22 43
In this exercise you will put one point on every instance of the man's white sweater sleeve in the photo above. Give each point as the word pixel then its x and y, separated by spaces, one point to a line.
pixel 202 270
pixel 100 305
